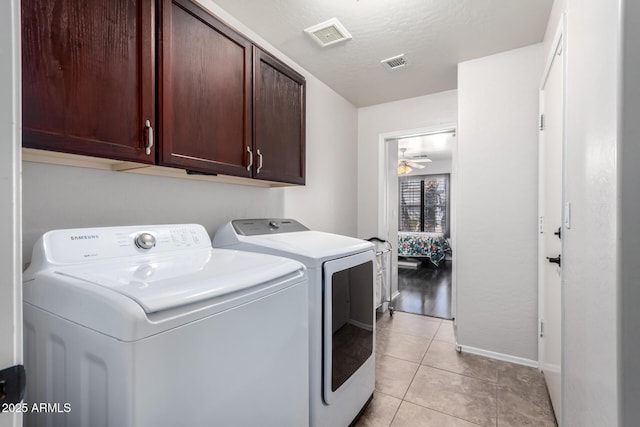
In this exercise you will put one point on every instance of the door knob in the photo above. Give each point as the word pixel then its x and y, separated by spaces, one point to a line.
pixel 555 260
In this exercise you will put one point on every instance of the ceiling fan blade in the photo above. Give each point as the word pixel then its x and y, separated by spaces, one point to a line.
pixel 421 160
pixel 415 165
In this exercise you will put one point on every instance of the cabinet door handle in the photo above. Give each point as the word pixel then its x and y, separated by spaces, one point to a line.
pixel 250 159
pixel 556 260
pixel 147 148
pixel 259 161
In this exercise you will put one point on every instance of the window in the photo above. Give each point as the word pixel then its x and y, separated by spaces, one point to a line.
pixel 424 203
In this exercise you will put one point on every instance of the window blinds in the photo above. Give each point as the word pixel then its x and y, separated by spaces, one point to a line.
pixel 424 203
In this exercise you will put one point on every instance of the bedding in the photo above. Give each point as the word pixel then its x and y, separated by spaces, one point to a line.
pixel 432 246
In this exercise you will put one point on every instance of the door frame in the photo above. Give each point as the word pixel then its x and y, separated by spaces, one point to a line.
pixel 559 42
pixel 384 180
pixel 10 185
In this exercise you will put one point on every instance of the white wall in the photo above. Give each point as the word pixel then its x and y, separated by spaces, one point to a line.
pixel 10 268
pixel 497 202
pixel 414 113
pixel 591 336
pixel 59 196
pixel 66 197
pixel 328 201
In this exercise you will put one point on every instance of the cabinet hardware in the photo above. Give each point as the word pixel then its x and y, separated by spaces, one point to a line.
pixel 250 159
pixel 259 161
pixel 556 260
pixel 147 148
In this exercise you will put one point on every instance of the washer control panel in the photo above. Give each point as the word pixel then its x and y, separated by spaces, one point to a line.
pixel 253 227
pixel 85 244
pixel 145 241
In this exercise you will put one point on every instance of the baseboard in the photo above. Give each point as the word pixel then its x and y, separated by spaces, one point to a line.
pixel 361 325
pixel 499 356
pixel 383 307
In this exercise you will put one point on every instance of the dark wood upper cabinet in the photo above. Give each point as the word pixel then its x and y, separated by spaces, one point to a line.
pixel 88 77
pixel 279 120
pixel 204 91
pixel 223 105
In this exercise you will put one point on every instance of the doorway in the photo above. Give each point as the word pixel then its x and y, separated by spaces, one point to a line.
pixel 552 226
pixel 418 218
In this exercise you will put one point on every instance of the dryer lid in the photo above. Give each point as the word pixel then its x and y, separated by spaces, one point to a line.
pixel 164 282
pixel 313 244
pixel 309 247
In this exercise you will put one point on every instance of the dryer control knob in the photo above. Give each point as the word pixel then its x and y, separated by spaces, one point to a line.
pixel 145 241
pixel 274 224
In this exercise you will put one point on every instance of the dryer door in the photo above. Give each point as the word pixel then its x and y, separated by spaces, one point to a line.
pixel 348 320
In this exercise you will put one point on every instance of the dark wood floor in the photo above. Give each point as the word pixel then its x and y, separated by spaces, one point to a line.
pixel 425 290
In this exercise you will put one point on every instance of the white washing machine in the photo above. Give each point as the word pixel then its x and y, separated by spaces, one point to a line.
pixel 150 326
pixel 341 309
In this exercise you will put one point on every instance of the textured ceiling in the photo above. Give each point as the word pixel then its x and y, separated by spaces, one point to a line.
pixel 435 35
pixel 437 146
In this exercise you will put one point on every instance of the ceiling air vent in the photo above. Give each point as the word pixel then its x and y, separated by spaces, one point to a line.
pixel 328 32
pixel 395 62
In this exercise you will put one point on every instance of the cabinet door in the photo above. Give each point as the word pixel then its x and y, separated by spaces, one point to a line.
pixel 88 77
pixel 205 92
pixel 279 120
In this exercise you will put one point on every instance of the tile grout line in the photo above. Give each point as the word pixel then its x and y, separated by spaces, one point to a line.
pixel 393 397
pixel 391 330
pixel 453 372
pixel 412 336
pixel 412 361
pixel 442 412
pixel 396 413
pixel 414 377
pixel 497 404
pixel 432 409
pixel 439 368
pixel 458 373
pixel 495 385
pixel 416 373
pixel 403 399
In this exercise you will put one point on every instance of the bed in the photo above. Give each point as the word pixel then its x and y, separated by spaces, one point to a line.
pixel 432 246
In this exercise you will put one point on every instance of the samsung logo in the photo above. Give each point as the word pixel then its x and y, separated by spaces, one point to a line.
pixel 85 237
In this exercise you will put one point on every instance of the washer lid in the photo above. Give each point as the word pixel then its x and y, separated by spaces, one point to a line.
pixel 163 282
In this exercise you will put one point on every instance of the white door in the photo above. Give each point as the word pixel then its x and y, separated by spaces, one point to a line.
pixel 10 246
pixel 551 184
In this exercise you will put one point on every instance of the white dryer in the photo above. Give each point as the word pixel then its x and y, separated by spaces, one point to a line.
pixel 341 309
pixel 149 326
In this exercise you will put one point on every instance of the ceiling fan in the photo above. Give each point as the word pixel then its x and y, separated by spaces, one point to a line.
pixel 407 165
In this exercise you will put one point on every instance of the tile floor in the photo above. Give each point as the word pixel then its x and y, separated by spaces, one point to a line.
pixel 422 381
